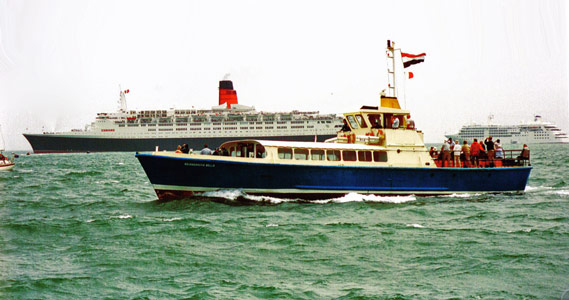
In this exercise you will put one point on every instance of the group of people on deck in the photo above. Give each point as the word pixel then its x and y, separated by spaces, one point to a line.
pixel 453 154
pixel 205 151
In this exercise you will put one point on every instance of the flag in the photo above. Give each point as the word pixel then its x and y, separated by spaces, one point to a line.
pixel 410 75
pixel 411 59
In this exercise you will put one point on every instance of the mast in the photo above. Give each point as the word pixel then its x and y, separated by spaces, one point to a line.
pixel 2 146
pixel 391 78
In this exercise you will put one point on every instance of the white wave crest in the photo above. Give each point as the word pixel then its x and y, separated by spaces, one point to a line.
pixel 461 195
pixel 236 194
pixel 233 195
pixel 355 197
pixel 125 216
pixel 171 219
pixel 560 192
pixel 415 225
pixel 538 188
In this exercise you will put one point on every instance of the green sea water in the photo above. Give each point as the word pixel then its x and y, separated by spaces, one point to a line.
pixel 89 226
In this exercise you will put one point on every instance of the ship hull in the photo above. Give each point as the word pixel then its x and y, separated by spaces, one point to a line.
pixel 52 143
pixel 175 177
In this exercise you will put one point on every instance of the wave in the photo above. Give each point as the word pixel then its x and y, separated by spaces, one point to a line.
pixel 560 192
pixel 237 195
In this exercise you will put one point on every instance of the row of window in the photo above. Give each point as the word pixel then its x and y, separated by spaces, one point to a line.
pixel 332 155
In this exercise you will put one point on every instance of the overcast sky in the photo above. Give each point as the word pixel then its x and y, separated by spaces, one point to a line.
pixel 61 62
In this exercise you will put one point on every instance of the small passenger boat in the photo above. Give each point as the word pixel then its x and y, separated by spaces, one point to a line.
pixel 379 151
pixel 6 164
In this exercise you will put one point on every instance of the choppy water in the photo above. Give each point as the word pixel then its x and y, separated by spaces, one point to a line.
pixel 89 226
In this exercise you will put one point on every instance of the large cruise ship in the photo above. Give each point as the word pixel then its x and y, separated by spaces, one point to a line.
pixel 129 130
pixel 536 132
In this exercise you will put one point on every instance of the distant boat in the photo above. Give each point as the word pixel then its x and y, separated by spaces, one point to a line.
pixel 130 130
pixel 536 132
pixel 6 164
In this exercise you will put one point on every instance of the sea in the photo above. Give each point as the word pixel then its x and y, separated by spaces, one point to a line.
pixel 89 226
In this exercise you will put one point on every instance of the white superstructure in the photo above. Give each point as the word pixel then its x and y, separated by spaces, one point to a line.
pixel 232 120
pixel 536 132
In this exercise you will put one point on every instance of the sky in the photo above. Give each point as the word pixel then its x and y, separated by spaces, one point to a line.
pixel 61 62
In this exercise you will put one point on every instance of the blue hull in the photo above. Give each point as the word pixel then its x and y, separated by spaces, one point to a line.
pixel 174 177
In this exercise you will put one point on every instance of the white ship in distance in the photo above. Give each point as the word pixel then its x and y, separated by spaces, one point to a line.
pixel 536 132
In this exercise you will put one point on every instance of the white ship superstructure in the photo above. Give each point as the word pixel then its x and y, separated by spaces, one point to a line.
pixel 536 132
pixel 130 130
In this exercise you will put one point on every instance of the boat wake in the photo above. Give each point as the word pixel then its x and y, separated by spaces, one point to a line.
pixel 238 196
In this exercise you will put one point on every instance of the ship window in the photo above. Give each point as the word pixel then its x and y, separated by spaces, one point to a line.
pixel 301 154
pixel 364 155
pixel 349 155
pixel 317 154
pixel 333 155
pixel 375 121
pixel 379 156
pixel 361 121
pixel 353 122
pixel 285 153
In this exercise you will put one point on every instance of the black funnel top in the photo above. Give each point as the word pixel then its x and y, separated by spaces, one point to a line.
pixel 226 85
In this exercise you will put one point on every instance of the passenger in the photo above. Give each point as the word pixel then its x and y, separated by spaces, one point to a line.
pixel 489 148
pixel 217 151
pixel 374 122
pixel 445 149
pixel 205 150
pixel 345 127
pixel 466 152
pixel 185 148
pixel 456 150
pixel 451 145
pixel 525 153
pixel 499 150
pixel 474 152
pixel 433 152
pixel 179 149
pixel 394 122
pixel 482 153
pixel 224 152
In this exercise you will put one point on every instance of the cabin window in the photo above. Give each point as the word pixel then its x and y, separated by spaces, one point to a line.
pixel 353 122
pixel 379 156
pixel 261 153
pixel 361 121
pixel 317 154
pixel 333 155
pixel 349 155
pixel 364 155
pixel 301 154
pixel 375 121
pixel 285 153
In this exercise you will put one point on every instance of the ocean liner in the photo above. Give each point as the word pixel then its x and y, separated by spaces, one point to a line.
pixel 536 132
pixel 130 130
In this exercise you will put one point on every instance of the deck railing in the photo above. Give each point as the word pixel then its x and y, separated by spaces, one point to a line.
pixel 512 158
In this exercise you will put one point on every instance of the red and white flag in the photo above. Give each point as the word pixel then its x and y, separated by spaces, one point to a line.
pixel 411 59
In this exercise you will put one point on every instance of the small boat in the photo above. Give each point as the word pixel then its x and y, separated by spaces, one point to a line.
pixel 379 151
pixel 6 163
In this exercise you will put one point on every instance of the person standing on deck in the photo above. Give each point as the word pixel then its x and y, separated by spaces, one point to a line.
pixel 456 151
pixel 489 148
pixel 466 152
pixel 445 149
pixel 475 152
